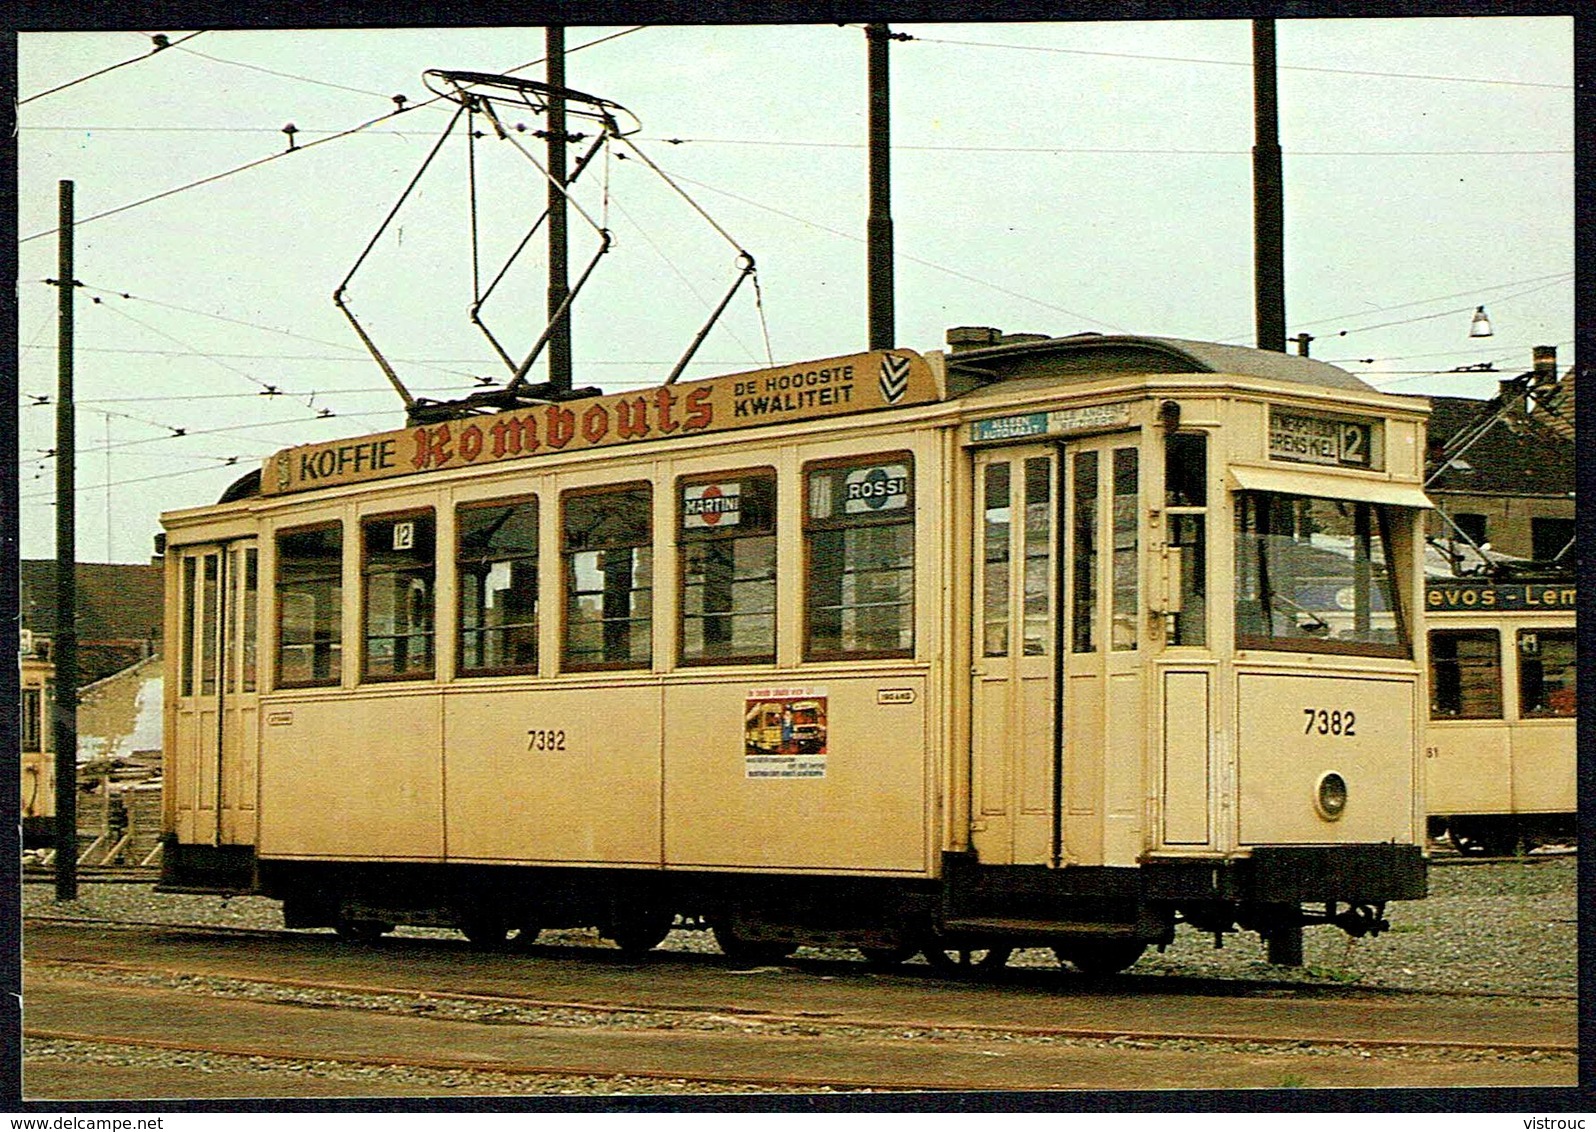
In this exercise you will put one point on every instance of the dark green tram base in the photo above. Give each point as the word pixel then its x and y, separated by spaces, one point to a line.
pixel 1275 891
pixel 38 833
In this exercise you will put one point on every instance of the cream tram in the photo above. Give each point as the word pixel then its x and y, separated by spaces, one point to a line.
pixel 1500 744
pixel 36 703
pixel 1050 643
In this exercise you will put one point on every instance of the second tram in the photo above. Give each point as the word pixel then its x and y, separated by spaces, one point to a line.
pixel 1500 744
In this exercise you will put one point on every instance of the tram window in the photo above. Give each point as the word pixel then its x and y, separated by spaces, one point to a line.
pixel 186 659
pixel 31 719
pixel 210 579
pixel 1127 577
pixel 1465 674
pixel 609 569
pixel 498 583
pixel 309 606
pixel 1312 576
pixel 1546 666
pixel 1083 564
pixel 996 524
pixel 249 558
pixel 398 565
pixel 1186 469
pixel 1185 497
pixel 1038 555
pixel 727 528
pixel 859 558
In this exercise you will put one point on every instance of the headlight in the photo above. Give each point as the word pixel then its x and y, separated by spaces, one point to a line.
pixel 1330 796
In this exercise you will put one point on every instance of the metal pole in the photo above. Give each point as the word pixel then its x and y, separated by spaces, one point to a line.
pixel 65 649
pixel 878 236
pixel 559 288
pixel 1268 183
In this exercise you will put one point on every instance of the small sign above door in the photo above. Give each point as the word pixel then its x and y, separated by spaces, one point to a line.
pixel 1059 422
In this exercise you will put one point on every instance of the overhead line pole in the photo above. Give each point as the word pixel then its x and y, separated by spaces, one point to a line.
pixel 878 256
pixel 65 644
pixel 1268 181
pixel 559 286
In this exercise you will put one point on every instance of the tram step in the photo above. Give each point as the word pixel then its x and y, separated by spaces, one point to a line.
pixel 984 924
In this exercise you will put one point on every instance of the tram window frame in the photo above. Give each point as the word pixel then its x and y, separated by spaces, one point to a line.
pixel 640 594
pixel 523 568
pixel 325 589
pixel 1186 510
pixel 817 529
pixel 1532 674
pixel 32 720
pixel 1447 671
pixel 755 522
pixel 383 564
pixel 1256 556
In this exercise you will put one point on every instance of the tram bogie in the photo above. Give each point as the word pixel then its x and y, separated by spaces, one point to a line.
pixel 1056 644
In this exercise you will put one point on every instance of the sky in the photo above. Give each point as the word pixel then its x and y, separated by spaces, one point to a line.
pixel 1046 177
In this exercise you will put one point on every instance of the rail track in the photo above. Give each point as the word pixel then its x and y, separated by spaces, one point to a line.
pixel 571 1017
pixel 533 1010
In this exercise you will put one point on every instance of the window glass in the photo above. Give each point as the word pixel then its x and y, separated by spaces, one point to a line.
pixel 498 587
pixel 399 568
pixel 1312 576
pixel 1185 497
pixel 727 531
pixel 1127 575
pixel 859 558
pixel 1083 562
pixel 609 570
pixel 249 560
pixel 995 623
pixel 190 628
pixel 209 622
pixel 1465 674
pixel 309 606
pixel 1546 665
pixel 1038 556
pixel 32 719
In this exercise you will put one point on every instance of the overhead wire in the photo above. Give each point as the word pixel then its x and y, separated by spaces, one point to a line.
pixel 79 222
pixel 1247 63
pixel 159 47
pixel 902 255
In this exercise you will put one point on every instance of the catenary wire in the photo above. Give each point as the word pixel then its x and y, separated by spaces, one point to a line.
pixel 283 153
pixel 107 70
pixel 1247 63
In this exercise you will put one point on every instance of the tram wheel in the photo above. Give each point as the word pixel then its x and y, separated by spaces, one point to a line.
pixel 965 960
pixel 485 931
pixel 1483 837
pixel 1100 957
pixel 641 932
pixel 886 958
pixel 750 952
pixel 362 931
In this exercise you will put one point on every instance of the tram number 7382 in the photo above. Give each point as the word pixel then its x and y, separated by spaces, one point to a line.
pixel 1327 722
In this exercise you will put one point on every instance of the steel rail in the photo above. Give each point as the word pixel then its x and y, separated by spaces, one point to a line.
pixel 434 998
pixel 509 1068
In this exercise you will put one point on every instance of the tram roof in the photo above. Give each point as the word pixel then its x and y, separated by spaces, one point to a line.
pixel 1095 354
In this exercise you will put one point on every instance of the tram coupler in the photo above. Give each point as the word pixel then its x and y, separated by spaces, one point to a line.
pixel 1359 919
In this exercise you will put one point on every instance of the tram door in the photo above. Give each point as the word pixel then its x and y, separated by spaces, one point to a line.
pixel 217 716
pixel 1100 628
pixel 1015 606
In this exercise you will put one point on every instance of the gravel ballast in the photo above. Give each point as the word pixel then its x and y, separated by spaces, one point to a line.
pixel 1501 927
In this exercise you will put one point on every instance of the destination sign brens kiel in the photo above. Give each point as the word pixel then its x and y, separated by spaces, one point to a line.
pixel 856 383
pixel 1337 441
